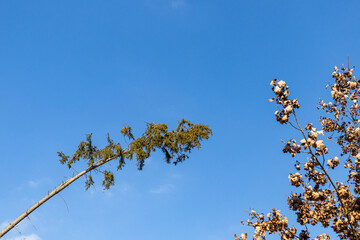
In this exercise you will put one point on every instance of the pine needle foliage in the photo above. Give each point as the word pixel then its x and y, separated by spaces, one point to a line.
pixel 175 144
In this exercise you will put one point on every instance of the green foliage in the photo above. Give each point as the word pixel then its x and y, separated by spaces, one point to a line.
pixel 108 179
pixel 89 182
pixel 175 144
pixel 126 131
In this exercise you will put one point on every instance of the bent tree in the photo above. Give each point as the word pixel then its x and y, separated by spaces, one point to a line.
pixel 319 199
pixel 175 144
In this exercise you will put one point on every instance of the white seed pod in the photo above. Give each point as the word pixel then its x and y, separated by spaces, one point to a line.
pixel 288 109
pixel 281 84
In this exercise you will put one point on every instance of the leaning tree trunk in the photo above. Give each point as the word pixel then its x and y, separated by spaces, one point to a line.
pixel 51 194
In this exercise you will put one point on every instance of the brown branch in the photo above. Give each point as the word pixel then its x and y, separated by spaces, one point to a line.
pixel 329 178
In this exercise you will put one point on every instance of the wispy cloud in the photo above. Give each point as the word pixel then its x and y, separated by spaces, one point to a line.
pixel 124 188
pixel 37 182
pixel 162 189
pixel 33 184
pixel 176 175
pixel 28 237
pixel 178 4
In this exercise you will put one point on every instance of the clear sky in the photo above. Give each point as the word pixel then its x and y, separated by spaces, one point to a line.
pixel 68 68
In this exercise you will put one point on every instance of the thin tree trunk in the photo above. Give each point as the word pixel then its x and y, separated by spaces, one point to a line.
pixel 50 195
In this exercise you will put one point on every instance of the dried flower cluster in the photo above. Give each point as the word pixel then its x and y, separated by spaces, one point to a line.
pixel 319 199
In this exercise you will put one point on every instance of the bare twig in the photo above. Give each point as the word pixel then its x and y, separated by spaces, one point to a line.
pixel 64 202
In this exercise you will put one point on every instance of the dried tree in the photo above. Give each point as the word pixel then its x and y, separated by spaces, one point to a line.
pixel 319 200
pixel 176 146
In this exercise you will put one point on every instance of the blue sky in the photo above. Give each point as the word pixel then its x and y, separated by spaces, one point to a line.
pixel 68 68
